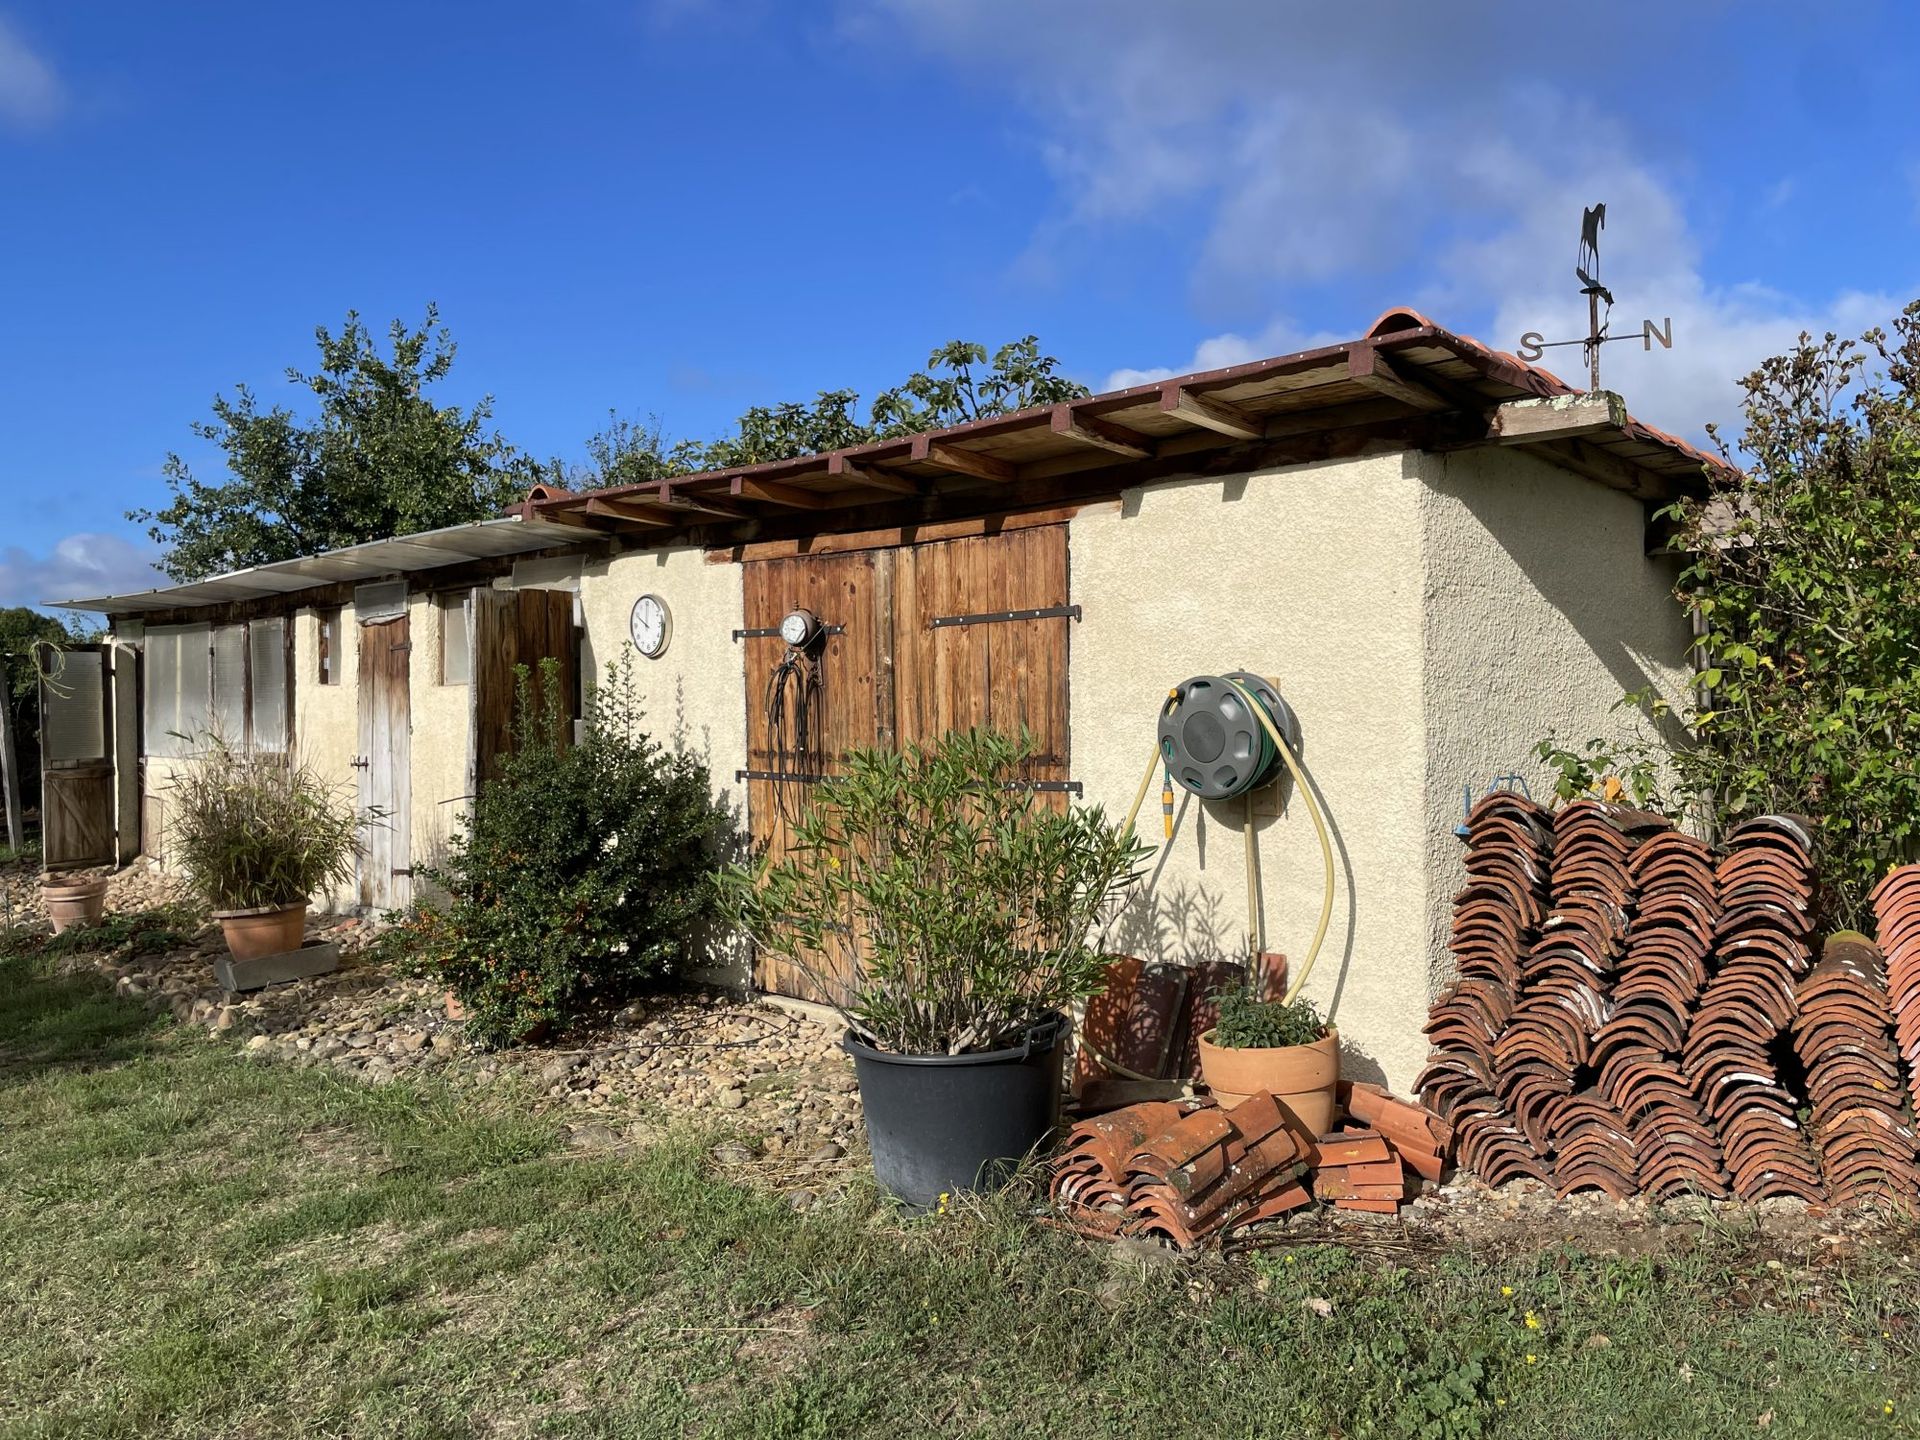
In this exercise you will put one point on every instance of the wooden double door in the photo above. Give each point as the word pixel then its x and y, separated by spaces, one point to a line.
pixel 921 640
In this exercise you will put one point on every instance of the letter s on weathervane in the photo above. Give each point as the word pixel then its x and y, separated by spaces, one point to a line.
pixel 1532 346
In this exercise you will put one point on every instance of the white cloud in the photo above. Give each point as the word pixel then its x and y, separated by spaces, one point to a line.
pixel 30 93
pixel 1358 145
pixel 79 567
pixel 1216 352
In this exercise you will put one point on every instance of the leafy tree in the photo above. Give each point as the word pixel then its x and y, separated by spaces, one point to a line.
pixel 380 458
pixel 1802 575
pixel 950 391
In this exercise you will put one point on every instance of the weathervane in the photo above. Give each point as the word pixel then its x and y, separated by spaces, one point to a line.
pixel 1586 266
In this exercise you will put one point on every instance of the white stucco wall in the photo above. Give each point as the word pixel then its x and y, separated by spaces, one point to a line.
pixel 442 736
pixel 1309 575
pixel 1541 610
pixel 1429 618
pixel 694 695
pixel 326 723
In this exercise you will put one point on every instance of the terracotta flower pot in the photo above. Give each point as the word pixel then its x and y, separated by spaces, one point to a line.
pixel 73 902
pixel 1301 1077
pixel 268 930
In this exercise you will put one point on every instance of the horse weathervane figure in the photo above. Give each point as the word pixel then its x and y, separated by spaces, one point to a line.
pixel 1586 266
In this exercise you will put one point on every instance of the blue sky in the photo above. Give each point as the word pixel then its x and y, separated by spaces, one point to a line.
pixel 685 208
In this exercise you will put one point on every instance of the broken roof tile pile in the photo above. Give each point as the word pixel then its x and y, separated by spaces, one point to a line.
pixel 1762 944
pixel 1896 915
pixel 1631 1038
pixel 1188 1172
pixel 1496 919
pixel 1842 1034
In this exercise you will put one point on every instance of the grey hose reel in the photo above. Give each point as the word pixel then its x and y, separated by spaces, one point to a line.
pixel 1216 747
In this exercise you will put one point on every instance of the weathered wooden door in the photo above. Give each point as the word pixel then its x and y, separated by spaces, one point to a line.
pixel 76 758
pixel 930 638
pixel 385 765
pixel 508 629
pixel 981 633
pixel 805 711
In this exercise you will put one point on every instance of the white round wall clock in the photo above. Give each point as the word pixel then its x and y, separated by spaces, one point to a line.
pixel 650 626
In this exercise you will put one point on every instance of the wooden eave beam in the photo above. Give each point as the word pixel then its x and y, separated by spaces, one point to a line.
pixel 581 519
pixel 1103 434
pixel 874 477
pixel 1209 414
pixel 1368 368
pixel 626 510
pixel 928 451
pixel 774 492
pixel 1558 417
pixel 672 499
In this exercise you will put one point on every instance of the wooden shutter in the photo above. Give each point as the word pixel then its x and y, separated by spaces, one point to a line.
pixel 510 628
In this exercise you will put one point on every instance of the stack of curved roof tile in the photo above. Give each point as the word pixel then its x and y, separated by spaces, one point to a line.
pixel 1496 920
pixel 1542 1064
pixel 1896 913
pixel 1761 948
pixel 1656 989
pixel 1854 1078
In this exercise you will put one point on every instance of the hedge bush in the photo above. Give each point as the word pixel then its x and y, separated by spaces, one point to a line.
pixel 582 872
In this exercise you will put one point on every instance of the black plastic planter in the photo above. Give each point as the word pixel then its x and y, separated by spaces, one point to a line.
pixel 938 1124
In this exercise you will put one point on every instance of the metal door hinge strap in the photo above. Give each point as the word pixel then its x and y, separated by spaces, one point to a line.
pixel 1063 787
pixel 1000 617
pixel 762 632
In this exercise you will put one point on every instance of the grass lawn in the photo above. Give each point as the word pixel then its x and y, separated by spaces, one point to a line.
pixel 197 1244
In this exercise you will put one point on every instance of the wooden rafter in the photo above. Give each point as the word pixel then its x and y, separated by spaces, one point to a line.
pixel 773 492
pixel 1103 434
pixel 927 451
pixel 875 477
pixel 1208 413
pixel 620 509
pixel 674 499
pixel 1368 368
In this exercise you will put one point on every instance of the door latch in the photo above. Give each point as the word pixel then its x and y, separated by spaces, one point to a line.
pixel 360 762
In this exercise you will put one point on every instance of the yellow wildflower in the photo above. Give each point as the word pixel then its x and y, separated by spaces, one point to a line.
pixel 1532 1320
pixel 1532 1359
pixel 1506 1290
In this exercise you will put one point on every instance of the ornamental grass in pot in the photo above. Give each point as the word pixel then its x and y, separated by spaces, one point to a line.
pixel 258 835
pixel 946 910
pixel 1281 1047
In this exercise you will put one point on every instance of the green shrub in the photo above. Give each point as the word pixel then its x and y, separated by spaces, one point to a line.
pixel 253 830
pixel 1250 1023
pixel 969 899
pixel 582 872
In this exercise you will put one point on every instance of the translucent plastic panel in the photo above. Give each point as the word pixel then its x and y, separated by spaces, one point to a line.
pixel 267 649
pixel 73 685
pixel 230 683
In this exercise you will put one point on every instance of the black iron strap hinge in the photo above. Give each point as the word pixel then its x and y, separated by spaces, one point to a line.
pixel 788 777
pixel 762 632
pixel 1001 617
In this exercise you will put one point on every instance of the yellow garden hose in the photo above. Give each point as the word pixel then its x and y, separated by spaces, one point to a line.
pixel 1319 829
pixel 1256 927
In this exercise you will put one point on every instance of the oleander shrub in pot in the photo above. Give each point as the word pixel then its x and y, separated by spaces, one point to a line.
pixel 948 911
pixel 258 834
pixel 1278 1046
pixel 582 872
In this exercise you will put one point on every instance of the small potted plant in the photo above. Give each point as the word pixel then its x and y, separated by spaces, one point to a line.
pixel 946 910
pixel 73 899
pixel 258 834
pixel 1281 1047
